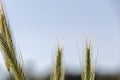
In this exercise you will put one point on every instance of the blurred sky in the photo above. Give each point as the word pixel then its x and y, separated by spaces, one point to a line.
pixel 37 23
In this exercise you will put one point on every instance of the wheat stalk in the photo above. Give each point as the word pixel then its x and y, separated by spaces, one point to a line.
pixel 8 49
pixel 88 64
pixel 89 71
pixel 58 72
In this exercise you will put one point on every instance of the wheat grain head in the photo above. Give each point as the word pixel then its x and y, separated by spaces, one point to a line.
pixel 8 49
pixel 58 72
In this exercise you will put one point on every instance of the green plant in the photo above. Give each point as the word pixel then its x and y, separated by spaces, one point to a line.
pixel 89 72
pixel 58 72
pixel 9 51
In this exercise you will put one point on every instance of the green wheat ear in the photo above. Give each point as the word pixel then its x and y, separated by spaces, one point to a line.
pixel 58 72
pixel 89 72
pixel 9 52
pixel 88 63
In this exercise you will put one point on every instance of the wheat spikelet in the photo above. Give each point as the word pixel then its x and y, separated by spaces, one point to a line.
pixel 8 49
pixel 58 72
pixel 87 64
pixel 89 70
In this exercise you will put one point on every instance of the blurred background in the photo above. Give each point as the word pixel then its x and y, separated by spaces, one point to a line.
pixel 38 24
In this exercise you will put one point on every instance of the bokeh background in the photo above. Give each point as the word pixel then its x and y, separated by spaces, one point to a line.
pixel 38 24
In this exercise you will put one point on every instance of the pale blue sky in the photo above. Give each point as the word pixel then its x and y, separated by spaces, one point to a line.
pixel 37 23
